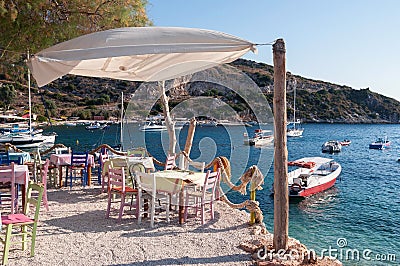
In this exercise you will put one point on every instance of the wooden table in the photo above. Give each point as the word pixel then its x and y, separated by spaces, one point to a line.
pixel 165 180
pixel 61 160
pixel 21 177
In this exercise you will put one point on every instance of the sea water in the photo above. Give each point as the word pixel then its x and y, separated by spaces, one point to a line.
pixel 356 221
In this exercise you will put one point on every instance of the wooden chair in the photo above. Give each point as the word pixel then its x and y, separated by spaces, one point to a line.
pixel 78 168
pixel 9 200
pixel 27 225
pixel 170 162
pixel 204 197
pixel 117 186
pixel 43 182
pixel 64 150
pixel 151 191
pixel 102 174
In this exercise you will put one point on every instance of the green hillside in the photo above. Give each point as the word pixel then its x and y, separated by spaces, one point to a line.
pixel 316 101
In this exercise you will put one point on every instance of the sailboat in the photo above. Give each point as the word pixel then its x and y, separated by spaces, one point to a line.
pixel 27 138
pixel 293 128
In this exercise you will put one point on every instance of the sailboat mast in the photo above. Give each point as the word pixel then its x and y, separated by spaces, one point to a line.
pixel 294 104
pixel 29 96
pixel 122 117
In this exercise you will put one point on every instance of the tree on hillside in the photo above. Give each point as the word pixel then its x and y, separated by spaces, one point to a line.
pixel 36 24
pixel 7 95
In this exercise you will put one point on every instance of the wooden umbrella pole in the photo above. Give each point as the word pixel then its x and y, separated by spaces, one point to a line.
pixel 281 197
pixel 168 121
pixel 190 136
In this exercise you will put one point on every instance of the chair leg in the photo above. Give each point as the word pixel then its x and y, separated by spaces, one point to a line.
pixel 212 210
pixel 103 176
pixel 7 244
pixel 109 205
pixel 139 208
pixel 203 218
pixel 167 207
pixel 152 212
pixel 33 239
pixel 121 207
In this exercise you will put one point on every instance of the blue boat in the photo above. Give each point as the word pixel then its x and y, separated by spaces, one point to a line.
pixel 380 144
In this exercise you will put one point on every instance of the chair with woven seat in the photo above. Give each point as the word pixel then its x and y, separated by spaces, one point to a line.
pixel 203 197
pixel 154 192
pixel 78 168
pixel 27 225
pixel 117 185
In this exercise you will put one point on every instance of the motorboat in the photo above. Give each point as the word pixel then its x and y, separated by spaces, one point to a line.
pixel 345 142
pixel 331 146
pixel 312 175
pixel 260 137
pixel 26 140
pixel 96 125
pixel 152 127
pixel 380 144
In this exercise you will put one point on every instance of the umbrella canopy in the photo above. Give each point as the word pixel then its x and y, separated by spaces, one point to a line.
pixel 138 54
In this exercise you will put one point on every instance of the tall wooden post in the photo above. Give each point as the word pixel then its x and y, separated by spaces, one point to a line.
pixel 281 197
pixel 168 120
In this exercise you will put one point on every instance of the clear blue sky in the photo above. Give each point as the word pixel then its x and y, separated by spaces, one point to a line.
pixel 347 42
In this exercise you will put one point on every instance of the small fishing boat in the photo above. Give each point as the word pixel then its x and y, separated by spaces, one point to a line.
pixel 312 175
pixel 331 146
pixel 345 142
pixel 153 127
pixel 261 137
pixel 380 144
pixel 95 126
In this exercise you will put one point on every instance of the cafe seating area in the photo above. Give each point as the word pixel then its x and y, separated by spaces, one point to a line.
pixel 135 188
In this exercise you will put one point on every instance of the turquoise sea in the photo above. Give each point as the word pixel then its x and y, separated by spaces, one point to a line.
pixel 359 215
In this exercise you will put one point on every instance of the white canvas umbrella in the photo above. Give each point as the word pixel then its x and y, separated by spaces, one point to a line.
pixel 138 54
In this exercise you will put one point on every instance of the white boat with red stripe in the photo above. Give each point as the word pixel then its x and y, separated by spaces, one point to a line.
pixel 312 175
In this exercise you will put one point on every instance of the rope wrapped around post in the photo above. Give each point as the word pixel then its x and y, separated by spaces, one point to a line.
pixel 253 175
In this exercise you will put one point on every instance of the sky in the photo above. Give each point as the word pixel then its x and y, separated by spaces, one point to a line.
pixel 346 42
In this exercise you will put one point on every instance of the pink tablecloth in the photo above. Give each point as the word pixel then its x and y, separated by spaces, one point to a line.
pixel 65 159
pixel 21 175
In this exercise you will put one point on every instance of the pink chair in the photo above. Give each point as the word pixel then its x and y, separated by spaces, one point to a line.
pixel 103 158
pixel 7 175
pixel 43 182
pixel 170 162
pixel 117 186
pixel 203 197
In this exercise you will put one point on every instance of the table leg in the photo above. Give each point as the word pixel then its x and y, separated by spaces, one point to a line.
pixel 181 207
pixel 89 174
pixel 60 175
pixel 23 188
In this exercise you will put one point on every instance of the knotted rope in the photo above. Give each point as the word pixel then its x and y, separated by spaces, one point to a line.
pixel 252 175
pixel 109 148
pixel 58 145
pixel 8 146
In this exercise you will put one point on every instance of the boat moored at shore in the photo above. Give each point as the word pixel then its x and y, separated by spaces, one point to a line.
pixel 312 175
